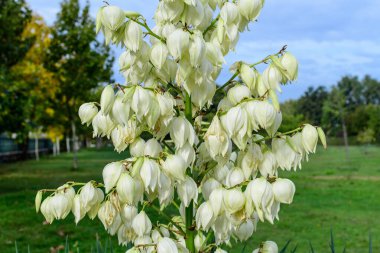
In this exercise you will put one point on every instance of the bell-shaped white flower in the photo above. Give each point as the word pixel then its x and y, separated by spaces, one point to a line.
pixel 286 157
pixel 267 247
pixel 230 13
pixel 102 124
pixel 248 76
pixel 197 49
pixel 110 217
pixel 128 189
pixel 216 139
pixel 88 196
pixel 250 9
pixel 178 43
pixel 137 147
pixel 166 245
pixel 149 173
pixel 235 122
pixel 87 112
pixel 60 205
pixel 219 250
pixel 133 36
pixel 272 130
pixel 152 148
pixel 235 177
pixel 261 193
pixel 283 190
pixel 204 216
pixel 290 63
pixel 112 17
pixel 107 99
pixel 199 239
pixel 128 213
pixel 309 138
pixel 175 166
pixel 118 136
pixel 245 230
pixel 216 200
pixel 78 209
pixel 187 152
pixel 208 186
pixel 111 174
pixel 234 200
pixel 268 166
pixel 237 93
pixel 272 77
pixel 181 132
pixel 159 54
pixel 214 54
pixel 251 160
pixel 187 191
pixel 264 113
pixel 142 224
pixel 120 110
pixel 141 102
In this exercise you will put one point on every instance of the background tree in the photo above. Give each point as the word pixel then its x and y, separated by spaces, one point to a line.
pixel 311 103
pixel 79 61
pixel 14 16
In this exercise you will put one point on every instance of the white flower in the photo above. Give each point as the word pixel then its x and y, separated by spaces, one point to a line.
pixel 290 63
pixel 118 136
pixel 187 191
pixel 237 93
pixel 234 200
pixel 78 209
pixel 109 216
pixel 181 132
pixel 128 189
pixel 120 110
pixel 261 193
pixel 214 54
pixel 230 13
pixel 265 114
pixel 267 247
pixel 46 210
pixel 166 245
pixel 141 102
pixel 133 36
pixel 283 190
pixel 187 152
pixel 159 54
pixel 149 173
pixel 199 240
pixel 175 166
pixel 245 230
pixel 235 122
pixel 309 138
pixel 111 174
pixel 205 216
pixel 137 147
pixel 178 43
pixel 197 49
pixel 250 9
pixel 107 99
pixel 272 77
pixel 251 160
pixel 286 157
pixel 102 124
pixel 216 201
pixel 38 200
pixel 208 186
pixel 276 124
pixel 219 250
pixel 112 17
pixel 88 196
pixel 248 75
pixel 234 177
pixel 216 139
pixel 60 205
pixel 142 224
pixel 87 112
pixel 128 213
pixel 268 165
pixel 152 148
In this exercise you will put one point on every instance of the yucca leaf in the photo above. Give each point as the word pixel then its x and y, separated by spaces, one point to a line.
pixel 16 247
pixel 285 247
pixel 243 250
pixel 28 248
pixel 344 249
pixel 294 250
pixel 311 248
pixel 332 246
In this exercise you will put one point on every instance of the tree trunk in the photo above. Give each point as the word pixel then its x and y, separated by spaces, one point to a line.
pixel 54 149
pixel 36 148
pixel 345 137
pixel 75 145
pixel 68 144
pixel 58 145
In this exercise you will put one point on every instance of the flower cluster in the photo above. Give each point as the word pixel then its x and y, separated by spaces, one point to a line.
pixel 216 162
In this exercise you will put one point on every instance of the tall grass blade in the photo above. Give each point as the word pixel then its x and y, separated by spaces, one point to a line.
pixel 28 248
pixel 98 246
pixel 332 246
pixel 243 250
pixel 311 247
pixel 285 247
pixel 16 247
pixel 294 250
pixel 370 243
pixel 344 249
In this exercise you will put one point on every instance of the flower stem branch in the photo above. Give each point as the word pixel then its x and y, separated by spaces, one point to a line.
pixel 211 25
pixel 149 31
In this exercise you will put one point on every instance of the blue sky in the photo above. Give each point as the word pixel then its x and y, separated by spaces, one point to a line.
pixel 331 38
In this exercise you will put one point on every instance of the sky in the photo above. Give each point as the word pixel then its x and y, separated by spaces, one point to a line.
pixel 330 38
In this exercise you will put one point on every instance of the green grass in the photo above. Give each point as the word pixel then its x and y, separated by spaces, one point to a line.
pixel 331 193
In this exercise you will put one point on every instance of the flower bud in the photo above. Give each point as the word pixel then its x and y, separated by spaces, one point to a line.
pixel 187 191
pixel 178 42
pixel 322 137
pixel 309 138
pixel 237 93
pixel 175 166
pixel 248 75
pixel 38 200
pixel 112 17
pixel 87 112
pixel 111 174
pixel 159 54
pixel 166 245
pixel 107 99
pixel 283 190
pixel 142 224
pixel 141 102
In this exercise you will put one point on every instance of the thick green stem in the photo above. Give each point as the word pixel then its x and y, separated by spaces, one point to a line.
pixel 190 230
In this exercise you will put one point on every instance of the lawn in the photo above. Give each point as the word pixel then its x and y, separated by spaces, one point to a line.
pixel 332 193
